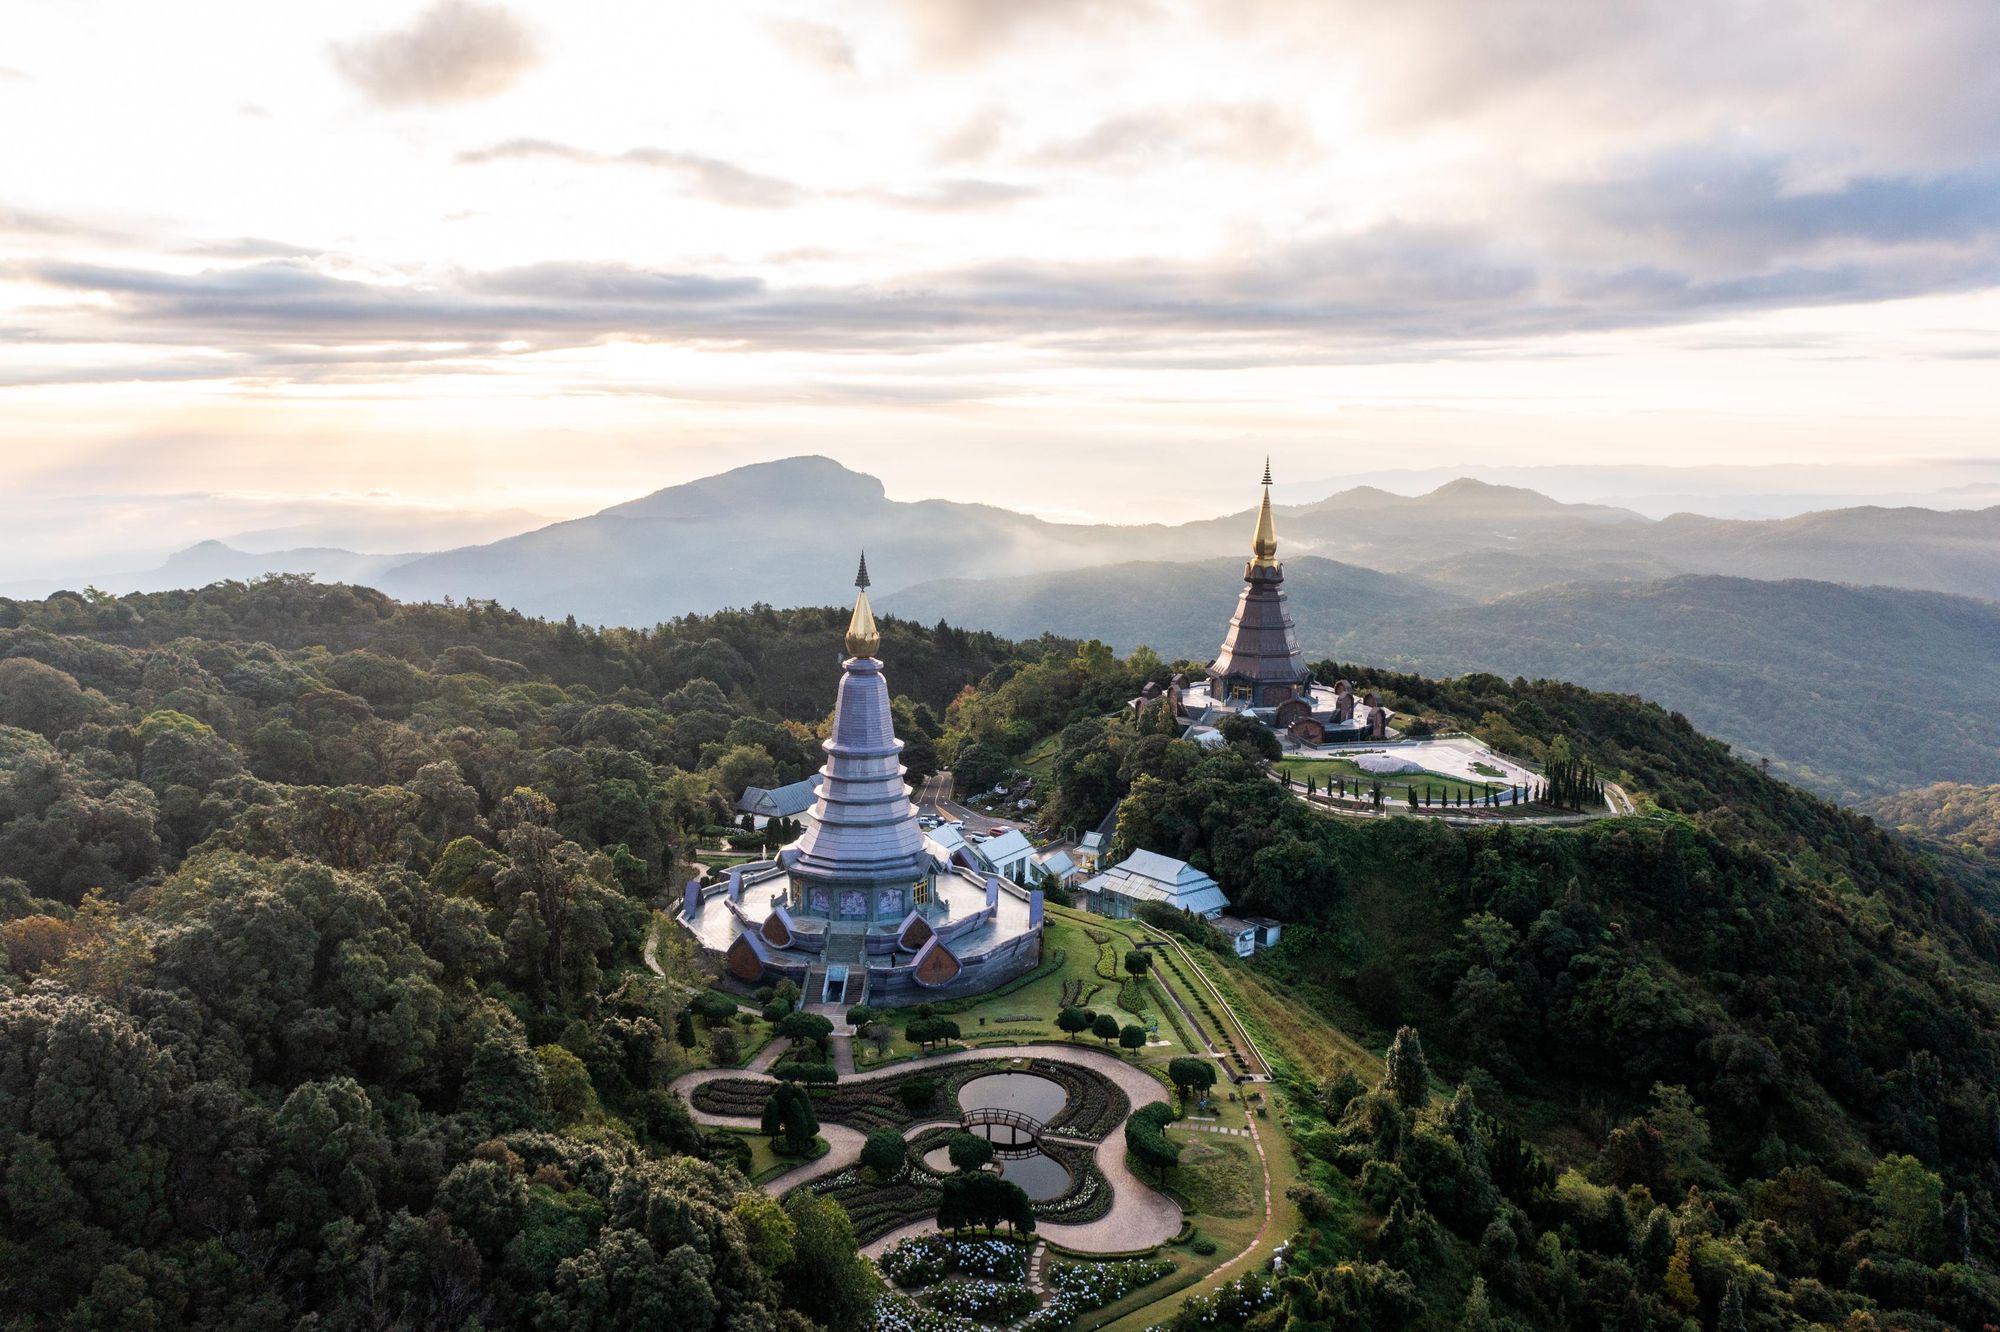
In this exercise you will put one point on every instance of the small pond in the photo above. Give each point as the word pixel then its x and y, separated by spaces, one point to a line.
pixel 1040 1176
pixel 1037 1097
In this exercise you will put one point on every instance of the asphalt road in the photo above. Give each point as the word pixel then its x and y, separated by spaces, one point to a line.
pixel 935 797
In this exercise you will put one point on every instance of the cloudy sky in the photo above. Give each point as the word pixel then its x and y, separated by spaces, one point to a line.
pixel 314 268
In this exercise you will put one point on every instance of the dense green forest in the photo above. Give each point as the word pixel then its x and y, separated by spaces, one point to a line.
pixel 1961 816
pixel 321 924
pixel 1746 1032
pixel 322 1005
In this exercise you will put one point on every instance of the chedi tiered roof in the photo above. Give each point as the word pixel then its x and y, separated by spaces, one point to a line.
pixel 863 828
pixel 1260 657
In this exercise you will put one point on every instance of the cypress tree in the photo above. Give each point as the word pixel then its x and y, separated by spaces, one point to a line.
pixel 1957 1231
pixel 1407 1075
pixel 1478 1314
pixel 1731 1317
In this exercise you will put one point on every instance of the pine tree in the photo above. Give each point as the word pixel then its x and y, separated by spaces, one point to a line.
pixel 1679 1283
pixel 1656 1245
pixel 1957 1231
pixel 1478 1315
pixel 1461 1117
pixel 1407 1076
pixel 1731 1317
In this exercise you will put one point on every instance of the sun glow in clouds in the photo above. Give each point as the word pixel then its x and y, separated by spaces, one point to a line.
pixel 428 249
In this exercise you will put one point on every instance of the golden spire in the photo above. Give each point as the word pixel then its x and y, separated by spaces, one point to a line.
pixel 863 638
pixel 1265 544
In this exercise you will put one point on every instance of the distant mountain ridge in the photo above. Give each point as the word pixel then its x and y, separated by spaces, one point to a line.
pixel 1854 692
pixel 1178 609
pixel 786 532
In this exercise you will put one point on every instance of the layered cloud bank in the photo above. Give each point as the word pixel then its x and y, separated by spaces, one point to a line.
pixel 1455 230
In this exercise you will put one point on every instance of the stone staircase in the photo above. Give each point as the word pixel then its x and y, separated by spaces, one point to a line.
pixel 845 948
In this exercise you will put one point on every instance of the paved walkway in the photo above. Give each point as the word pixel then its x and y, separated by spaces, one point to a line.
pixel 1139 1217
pixel 841 1041
pixel 764 1058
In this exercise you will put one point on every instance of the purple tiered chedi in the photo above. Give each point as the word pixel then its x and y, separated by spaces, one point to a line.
pixel 864 904
pixel 863 851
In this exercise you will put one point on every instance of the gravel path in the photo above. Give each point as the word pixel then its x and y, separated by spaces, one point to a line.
pixel 1139 1217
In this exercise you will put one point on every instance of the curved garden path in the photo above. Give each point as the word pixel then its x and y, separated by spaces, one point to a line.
pixel 1139 1217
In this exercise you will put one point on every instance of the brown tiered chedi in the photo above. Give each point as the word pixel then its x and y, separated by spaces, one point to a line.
pixel 1260 662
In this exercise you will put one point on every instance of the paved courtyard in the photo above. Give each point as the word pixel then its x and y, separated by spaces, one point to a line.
pixel 1450 756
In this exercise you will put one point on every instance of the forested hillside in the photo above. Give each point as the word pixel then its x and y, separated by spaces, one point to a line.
pixel 1750 1037
pixel 320 921
pixel 1852 691
pixel 322 915
pixel 1967 817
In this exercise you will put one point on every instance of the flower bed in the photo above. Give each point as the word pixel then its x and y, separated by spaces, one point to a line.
pixel 894 1313
pixel 864 1105
pixel 1095 1105
pixel 1225 1039
pixel 1077 1288
pixel 877 1209
pixel 929 1259
pixel 987 1301
pixel 1089 1195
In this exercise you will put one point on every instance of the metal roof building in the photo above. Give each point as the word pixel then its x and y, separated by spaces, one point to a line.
pixel 1148 876
pixel 780 802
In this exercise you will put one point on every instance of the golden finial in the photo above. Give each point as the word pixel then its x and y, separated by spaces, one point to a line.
pixel 863 638
pixel 1264 546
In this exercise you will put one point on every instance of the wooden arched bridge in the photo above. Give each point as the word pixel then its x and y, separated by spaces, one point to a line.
pixel 1012 1133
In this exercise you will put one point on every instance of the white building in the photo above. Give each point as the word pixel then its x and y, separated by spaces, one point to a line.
pixel 1249 936
pixel 1147 876
pixel 1058 863
pixel 950 840
pixel 1008 854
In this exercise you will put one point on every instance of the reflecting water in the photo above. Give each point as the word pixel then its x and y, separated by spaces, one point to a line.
pixel 1040 1176
pixel 1038 1097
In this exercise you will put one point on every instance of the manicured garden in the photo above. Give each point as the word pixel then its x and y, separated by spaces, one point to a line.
pixel 965 1284
pixel 1094 1106
pixel 1083 967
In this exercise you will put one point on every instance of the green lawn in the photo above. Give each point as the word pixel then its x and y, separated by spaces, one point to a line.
pixel 1217 1175
pixel 1234 1184
pixel 766 1163
pixel 1036 761
pixel 1029 1013
pixel 1326 771
pixel 751 1037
